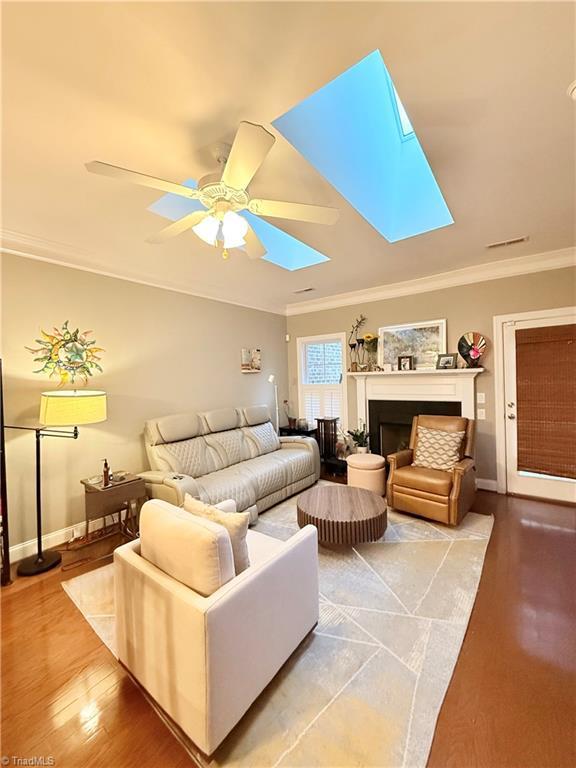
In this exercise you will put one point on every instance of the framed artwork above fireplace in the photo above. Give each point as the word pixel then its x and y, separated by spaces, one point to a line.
pixel 424 341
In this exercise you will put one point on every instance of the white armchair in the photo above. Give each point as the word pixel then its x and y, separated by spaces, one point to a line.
pixel 206 659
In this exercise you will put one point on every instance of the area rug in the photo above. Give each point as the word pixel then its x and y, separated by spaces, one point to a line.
pixel 366 687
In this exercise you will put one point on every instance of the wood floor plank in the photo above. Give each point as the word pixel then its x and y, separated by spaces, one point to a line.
pixel 511 702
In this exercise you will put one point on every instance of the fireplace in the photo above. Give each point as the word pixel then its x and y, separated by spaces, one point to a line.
pixel 390 421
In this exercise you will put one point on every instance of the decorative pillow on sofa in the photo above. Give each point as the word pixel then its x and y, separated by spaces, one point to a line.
pixel 236 524
pixel 193 550
pixel 436 449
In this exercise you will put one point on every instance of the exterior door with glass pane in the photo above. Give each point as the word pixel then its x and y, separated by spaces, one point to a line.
pixel 540 391
pixel 321 378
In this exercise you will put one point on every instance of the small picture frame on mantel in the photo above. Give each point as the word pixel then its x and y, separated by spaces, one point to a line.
pixel 447 361
pixel 406 362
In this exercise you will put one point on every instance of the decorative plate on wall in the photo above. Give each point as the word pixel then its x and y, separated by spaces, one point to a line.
pixel 471 347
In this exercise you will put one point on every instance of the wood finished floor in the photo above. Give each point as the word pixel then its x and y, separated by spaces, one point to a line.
pixel 511 702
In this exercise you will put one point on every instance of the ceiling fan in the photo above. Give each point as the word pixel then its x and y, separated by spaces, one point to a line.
pixel 224 194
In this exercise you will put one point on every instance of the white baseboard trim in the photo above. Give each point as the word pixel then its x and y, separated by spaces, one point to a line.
pixel 486 485
pixel 53 539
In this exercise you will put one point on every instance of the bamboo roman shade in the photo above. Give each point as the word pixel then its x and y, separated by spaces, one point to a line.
pixel 546 400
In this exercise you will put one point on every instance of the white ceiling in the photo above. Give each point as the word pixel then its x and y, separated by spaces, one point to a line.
pixel 152 86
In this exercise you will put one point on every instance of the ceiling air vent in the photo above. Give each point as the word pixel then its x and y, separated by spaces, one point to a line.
pixel 514 240
pixel 305 290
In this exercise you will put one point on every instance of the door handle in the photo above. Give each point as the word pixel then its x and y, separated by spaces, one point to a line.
pixel 511 416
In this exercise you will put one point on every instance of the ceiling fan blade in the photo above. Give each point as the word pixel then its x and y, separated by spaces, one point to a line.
pixel 316 214
pixel 251 145
pixel 177 227
pixel 123 174
pixel 254 247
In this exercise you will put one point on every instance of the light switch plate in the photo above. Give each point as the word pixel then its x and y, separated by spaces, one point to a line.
pixel 480 398
pixel 481 414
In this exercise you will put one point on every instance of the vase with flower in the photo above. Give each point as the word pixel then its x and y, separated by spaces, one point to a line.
pixel 371 346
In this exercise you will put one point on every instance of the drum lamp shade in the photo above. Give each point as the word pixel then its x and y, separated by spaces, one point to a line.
pixel 72 407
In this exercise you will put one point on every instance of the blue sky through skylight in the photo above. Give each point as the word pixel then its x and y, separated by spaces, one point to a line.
pixel 357 134
pixel 174 206
pixel 283 249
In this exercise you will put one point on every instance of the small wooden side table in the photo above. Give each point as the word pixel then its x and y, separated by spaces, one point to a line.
pixel 124 495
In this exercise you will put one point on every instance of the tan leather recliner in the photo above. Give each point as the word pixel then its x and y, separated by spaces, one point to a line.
pixel 445 496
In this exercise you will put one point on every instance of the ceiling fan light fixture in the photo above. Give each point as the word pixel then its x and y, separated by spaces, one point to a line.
pixel 207 230
pixel 234 229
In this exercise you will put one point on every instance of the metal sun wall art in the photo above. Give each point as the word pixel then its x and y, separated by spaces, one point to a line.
pixel 71 355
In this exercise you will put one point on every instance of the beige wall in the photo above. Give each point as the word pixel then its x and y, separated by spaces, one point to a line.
pixel 466 308
pixel 165 352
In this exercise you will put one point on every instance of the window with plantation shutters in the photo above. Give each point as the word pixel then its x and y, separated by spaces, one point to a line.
pixel 321 378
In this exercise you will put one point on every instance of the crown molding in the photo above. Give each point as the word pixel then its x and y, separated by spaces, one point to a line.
pixel 64 255
pixel 493 270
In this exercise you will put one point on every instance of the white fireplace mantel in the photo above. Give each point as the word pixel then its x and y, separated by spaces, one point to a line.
pixel 455 385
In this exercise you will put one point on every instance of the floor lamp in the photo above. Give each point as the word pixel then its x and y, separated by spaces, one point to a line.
pixel 5 579
pixel 61 408
pixel 272 380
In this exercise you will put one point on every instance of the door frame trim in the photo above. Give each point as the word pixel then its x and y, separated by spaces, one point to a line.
pixel 499 321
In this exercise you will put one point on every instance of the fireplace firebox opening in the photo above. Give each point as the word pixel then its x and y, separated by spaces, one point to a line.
pixel 390 421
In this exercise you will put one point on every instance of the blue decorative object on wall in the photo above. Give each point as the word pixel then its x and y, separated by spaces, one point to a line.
pixel 357 134
pixel 281 248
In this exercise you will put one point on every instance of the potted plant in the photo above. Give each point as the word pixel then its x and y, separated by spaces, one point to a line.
pixel 360 437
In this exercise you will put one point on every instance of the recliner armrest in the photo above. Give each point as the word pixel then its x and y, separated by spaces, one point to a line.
pixel 463 489
pixel 396 460
pixel 309 443
pixel 400 458
pixel 169 486
pixel 465 465
pixel 289 440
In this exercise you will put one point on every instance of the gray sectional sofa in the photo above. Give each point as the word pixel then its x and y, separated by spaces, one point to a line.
pixel 232 453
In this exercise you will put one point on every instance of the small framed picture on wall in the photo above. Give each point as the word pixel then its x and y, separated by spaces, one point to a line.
pixel 251 361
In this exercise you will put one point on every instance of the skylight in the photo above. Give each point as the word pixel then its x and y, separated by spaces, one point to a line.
pixel 356 132
pixel 405 124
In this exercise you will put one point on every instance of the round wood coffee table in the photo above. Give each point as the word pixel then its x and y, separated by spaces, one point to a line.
pixel 342 514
